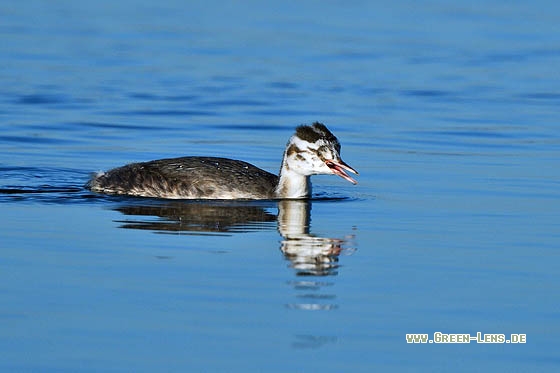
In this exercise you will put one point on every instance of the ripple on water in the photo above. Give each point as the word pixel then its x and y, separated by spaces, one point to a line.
pixel 48 99
pixel 43 185
pixel 41 99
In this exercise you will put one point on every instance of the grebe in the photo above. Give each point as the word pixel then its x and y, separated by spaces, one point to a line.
pixel 310 151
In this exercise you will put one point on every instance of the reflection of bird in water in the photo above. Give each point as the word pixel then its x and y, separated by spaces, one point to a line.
pixel 310 255
pixel 311 150
pixel 196 216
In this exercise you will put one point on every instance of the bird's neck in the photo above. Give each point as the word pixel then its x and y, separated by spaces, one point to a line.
pixel 292 184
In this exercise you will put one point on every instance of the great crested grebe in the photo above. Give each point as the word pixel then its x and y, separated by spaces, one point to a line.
pixel 310 151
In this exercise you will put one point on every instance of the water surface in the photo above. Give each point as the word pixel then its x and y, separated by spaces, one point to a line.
pixel 449 112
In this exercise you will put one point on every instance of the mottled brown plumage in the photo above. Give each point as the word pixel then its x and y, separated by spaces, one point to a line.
pixel 188 177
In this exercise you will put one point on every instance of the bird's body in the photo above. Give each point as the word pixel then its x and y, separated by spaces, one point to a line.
pixel 312 150
pixel 189 178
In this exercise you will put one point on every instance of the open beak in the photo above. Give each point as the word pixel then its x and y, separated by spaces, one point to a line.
pixel 338 167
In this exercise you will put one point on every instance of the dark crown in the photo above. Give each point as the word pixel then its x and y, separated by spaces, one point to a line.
pixel 317 131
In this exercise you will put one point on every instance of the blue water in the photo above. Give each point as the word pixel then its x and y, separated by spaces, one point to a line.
pixel 449 110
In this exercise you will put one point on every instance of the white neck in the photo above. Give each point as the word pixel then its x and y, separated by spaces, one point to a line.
pixel 292 184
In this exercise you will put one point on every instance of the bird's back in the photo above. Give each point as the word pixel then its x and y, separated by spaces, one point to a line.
pixel 188 177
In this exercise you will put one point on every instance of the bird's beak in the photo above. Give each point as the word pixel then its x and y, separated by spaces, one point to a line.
pixel 338 167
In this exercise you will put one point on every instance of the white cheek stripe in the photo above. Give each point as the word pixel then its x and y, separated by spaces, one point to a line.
pixel 305 145
pixel 301 144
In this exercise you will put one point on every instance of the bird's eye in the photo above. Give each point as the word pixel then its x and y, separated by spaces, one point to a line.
pixel 324 152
